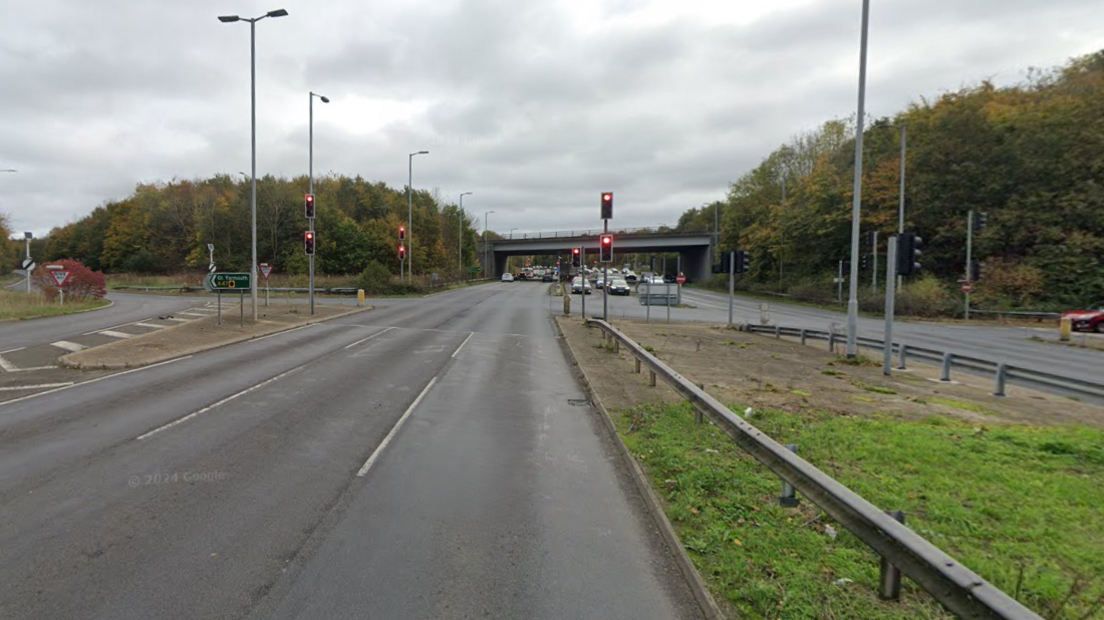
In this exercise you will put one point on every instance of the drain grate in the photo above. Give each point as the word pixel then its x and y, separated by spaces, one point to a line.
pixel 578 402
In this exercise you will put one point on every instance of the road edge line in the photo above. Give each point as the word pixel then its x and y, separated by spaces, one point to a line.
pixel 706 603
pixel 394 431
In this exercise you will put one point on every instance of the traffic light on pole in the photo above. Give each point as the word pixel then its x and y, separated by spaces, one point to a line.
pixel 981 220
pixel 402 233
pixel 309 206
pixel 576 257
pixel 402 252
pixel 308 242
pixel 743 261
pixel 606 247
pixel 607 205
pixel 864 260
pixel 908 254
pixel 976 271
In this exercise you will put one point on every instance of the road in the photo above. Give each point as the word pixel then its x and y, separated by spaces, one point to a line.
pixel 432 458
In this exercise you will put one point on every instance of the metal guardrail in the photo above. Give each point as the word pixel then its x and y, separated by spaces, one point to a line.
pixel 1002 373
pixel 1020 313
pixel 956 587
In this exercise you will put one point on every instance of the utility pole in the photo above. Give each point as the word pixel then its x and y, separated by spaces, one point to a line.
pixel 856 200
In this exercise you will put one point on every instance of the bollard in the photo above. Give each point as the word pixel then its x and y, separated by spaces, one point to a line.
pixel 616 345
pixel 789 495
pixel 1065 329
pixel 890 588
pixel 567 305
pixel 638 365
pixel 901 357
pixel 777 331
pixel 1002 375
pixel 832 342
pixel 360 297
pixel 802 337
pixel 651 382
pixel 946 376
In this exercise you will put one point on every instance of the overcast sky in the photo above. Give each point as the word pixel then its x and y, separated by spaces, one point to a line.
pixel 536 106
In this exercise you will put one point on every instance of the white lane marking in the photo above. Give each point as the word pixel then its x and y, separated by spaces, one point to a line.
pixel 118 374
pixel 33 368
pixel 462 345
pixel 155 326
pixel 115 334
pixel 294 329
pixel 112 327
pixel 68 346
pixel 395 429
pixel 6 365
pixel 349 346
pixel 203 314
pixel 175 319
pixel 14 388
pixel 12 350
pixel 223 401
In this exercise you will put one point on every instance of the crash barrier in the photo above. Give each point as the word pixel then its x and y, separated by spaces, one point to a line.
pixel 956 587
pixel 1002 374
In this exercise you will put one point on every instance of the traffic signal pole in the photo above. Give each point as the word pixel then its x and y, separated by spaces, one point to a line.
pixel 890 305
pixel 605 278
pixel 969 256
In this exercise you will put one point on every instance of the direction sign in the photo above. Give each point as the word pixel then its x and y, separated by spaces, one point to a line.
pixel 227 282
pixel 60 277
pixel 265 270
pixel 680 278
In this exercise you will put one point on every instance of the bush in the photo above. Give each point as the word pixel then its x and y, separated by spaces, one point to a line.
pixel 82 283
pixel 925 297
pixel 376 279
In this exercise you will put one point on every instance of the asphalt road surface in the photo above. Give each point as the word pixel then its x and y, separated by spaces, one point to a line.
pixel 432 458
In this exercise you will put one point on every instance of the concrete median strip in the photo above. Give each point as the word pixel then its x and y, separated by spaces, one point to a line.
pixel 198 335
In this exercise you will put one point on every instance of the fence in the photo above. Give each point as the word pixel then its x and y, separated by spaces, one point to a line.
pixel 956 587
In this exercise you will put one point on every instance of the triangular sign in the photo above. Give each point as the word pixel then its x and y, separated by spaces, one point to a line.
pixel 265 270
pixel 60 277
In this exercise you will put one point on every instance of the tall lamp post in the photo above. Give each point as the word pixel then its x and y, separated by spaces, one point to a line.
pixel 485 253
pixel 226 19
pixel 410 213
pixel 856 199
pixel 310 190
pixel 460 236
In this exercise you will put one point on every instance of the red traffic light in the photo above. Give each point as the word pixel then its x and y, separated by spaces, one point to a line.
pixel 574 250
pixel 402 233
pixel 607 196
pixel 310 236
pixel 308 203
pixel 402 251
pixel 606 239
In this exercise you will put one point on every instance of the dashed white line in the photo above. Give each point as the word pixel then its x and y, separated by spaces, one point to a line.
pixel 42 386
pixel 395 429
pixel 203 314
pixel 221 402
pixel 6 365
pixel 66 387
pixel 12 350
pixel 68 346
pixel 153 325
pixel 349 346
pixel 288 331
pixel 115 334
pixel 462 345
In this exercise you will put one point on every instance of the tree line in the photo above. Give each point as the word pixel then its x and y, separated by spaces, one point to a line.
pixel 1031 156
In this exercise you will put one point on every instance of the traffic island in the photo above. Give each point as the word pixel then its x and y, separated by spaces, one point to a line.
pixel 199 335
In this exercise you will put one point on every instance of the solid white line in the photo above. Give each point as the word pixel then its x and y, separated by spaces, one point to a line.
pixel 462 345
pixel 12 350
pixel 33 368
pixel 6 365
pixel 68 346
pixel 114 334
pixel 349 346
pixel 202 314
pixel 150 325
pixel 294 329
pixel 14 388
pixel 125 372
pixel 395 429
pixel 214 405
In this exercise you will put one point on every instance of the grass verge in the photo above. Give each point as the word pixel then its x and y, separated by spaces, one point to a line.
pixel 1020 505
pixel 15 306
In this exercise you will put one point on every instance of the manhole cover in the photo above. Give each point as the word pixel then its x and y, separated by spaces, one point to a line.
pixel 578 402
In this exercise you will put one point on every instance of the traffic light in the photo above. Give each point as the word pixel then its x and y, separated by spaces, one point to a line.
pixel 605 253
pixel 308 242
pixel 607 205
pixel 743 261
pixel 908 254
pixel 309 205
pixel 864 260
pixel 402 233
pixel 402 252
pixel 976 270
pixel 870 238
pixel 981 220
pixel 576 257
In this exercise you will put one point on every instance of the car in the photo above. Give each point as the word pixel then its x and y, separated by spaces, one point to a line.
pixel 619 287
pixel 600 283
pixel 629 276
pixel 507 277
pixel 580 286
pixel 547 277
pixel 521 276
pixel 1086 320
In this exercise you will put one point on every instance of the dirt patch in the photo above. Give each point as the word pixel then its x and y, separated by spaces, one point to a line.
pixel 199 335
pixel 761 372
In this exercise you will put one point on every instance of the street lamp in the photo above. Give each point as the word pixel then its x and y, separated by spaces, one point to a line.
pixel 310 190
pixel 410 212
pixel 856 196
pixel 485 253
pixel 512 232
pixel 226 19
pixel 460 259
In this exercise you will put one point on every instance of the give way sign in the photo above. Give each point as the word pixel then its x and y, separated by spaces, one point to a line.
pixel 60 277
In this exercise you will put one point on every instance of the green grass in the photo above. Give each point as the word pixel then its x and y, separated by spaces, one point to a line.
pixel 15 305
pixel 976 408
pixel 1003 501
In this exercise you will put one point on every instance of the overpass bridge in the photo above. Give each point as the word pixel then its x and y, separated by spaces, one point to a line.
pixel 695 248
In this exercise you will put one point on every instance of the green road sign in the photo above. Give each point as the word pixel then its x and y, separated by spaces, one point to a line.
pixel 222 282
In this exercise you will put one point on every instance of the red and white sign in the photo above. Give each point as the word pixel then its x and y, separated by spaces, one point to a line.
pixel 681 279
pixel 265 270
pixel 966 288
pixel 60 277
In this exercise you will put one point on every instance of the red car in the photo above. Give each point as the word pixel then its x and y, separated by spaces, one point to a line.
pixel 1086 320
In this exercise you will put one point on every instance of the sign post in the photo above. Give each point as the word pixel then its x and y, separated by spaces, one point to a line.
pixel 60 275
pixel 607 215
pixel 220 282
pixel 28 264
pixel 265 270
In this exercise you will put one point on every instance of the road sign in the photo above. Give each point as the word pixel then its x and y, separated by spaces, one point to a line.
pixel 966 288
pixel 28 264
pixel 265 270
pixel 680 278
pixel 211 268
pixel 60 277
pixel 216 282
